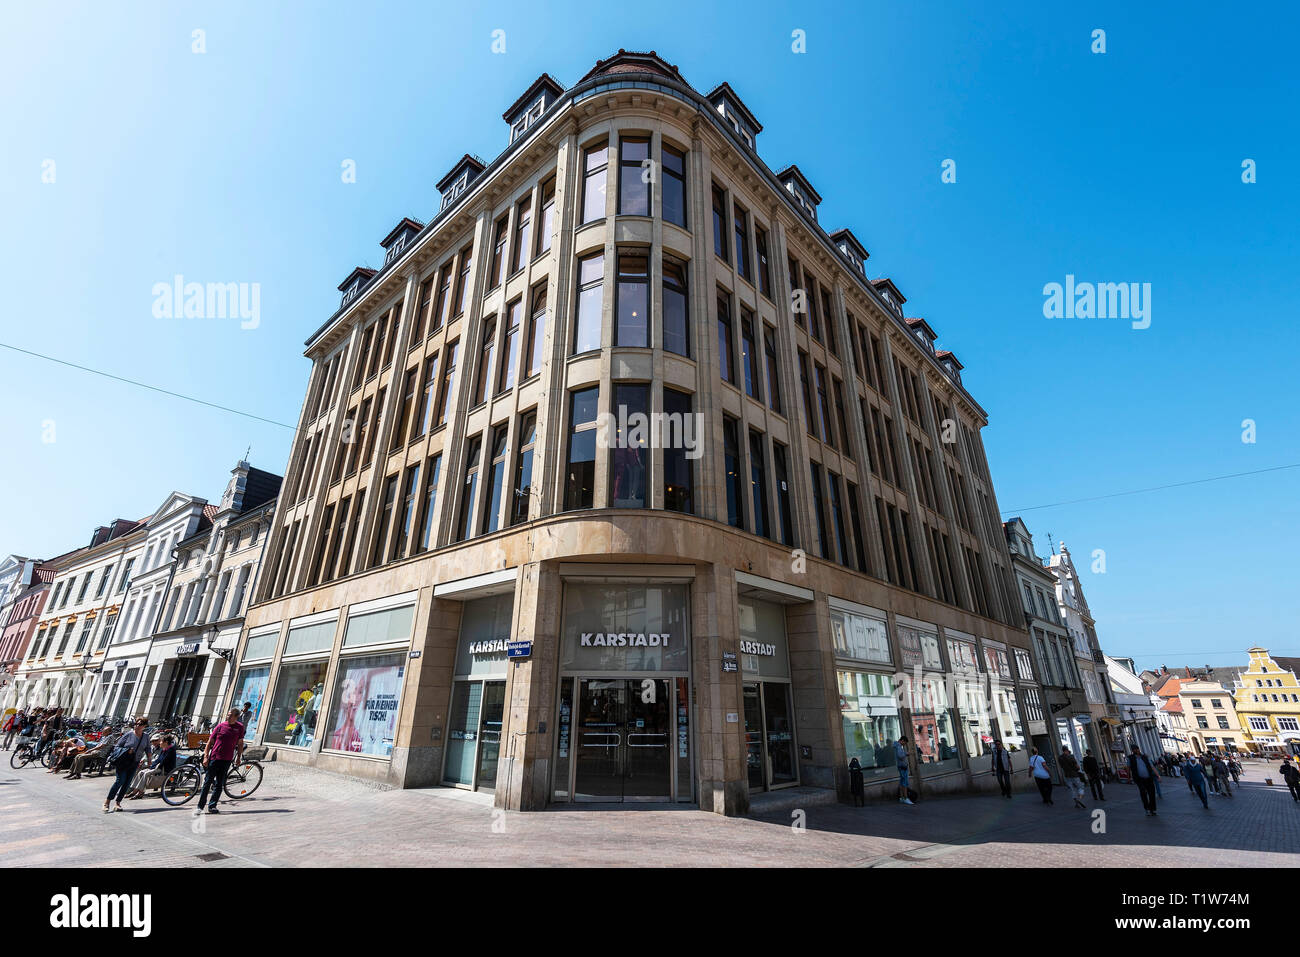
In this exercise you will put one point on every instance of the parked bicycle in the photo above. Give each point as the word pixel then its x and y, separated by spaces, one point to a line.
pixel 186 780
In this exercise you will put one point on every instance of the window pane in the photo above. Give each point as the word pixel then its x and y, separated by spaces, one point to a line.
pixel 633 307
pixel 630 452
pixel 363 709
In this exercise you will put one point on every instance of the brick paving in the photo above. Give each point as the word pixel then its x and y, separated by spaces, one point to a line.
pixel 305 817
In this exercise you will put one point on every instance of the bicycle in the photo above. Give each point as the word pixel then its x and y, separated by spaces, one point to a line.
pixel 23 755
pixel 186 780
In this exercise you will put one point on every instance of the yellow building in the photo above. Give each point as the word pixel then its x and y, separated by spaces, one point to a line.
pixel 1268 701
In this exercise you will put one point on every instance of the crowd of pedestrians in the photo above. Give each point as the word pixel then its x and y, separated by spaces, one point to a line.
pixel 139 760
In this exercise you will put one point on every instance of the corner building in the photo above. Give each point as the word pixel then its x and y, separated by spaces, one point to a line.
pixel 699 624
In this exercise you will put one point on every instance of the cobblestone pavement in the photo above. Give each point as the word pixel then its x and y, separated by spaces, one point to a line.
pixel 305 817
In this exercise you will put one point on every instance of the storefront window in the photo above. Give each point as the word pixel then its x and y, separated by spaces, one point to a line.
pixel 262 645
pixel 377 627
pixel 625 628
pixel 961 655
pixel 976 724
pixel 933 736
pixel 251 687
pixel 484 631
pixel 870 720
pixel 363 710
pixel 762 639
pixel 304 639
pixel 920 648
pixel 996 661
pixel 860 636
pixel 296 704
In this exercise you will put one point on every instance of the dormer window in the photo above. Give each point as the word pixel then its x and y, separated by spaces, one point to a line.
pixel 455 190
pixel 530 116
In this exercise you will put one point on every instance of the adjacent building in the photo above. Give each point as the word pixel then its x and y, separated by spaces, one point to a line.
pixel 24 586
pixel 1267 699
pixel 621 480
pixel 1133 699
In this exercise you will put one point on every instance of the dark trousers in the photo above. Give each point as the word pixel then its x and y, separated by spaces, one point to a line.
pixel 121 782
pixel 1098 794
pixel 216 779
pixel 1147 788
pixel 1295 790
pixel 1004 782
pixel 1045 789
pixel 1200 792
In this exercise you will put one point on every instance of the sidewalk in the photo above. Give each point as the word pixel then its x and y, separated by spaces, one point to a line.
pixel 306 817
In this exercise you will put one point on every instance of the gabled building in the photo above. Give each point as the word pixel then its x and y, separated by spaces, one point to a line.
pixel 1267 698
pixel 1103 715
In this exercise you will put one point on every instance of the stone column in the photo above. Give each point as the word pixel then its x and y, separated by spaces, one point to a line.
pixel 528 732
pixel 422 725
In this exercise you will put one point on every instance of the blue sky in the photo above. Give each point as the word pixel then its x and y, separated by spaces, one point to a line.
pixel 1123 166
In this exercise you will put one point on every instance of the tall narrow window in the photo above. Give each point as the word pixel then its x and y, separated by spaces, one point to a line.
pixel 819 510
pixel 448 382
pixel 719 223
pixel 842 417
pixel 678 480
pixel 546 222
pixel 764 268
pixel 394 322
pixel 430 500
pixel 809 412
pixel 628 458
pixel 798 299
pixel 523 489
pixel 595 170
pixel 362 356
pixel 823 407
pixel 780 467
pixel 523 234
pixel 580 477
pixel 855 520
pixel 404 415
pixel 381 334
pixel 424 414
pixel 726 361
pixel 410 501
pixel 731 470
pixel 633 189
pixel 361 429
pixel 741 222
pixel 345 565
pixel 510 346
pixel 674 186
pixel 496 479
pixel 423 315
pixel 385 519
pixel 322 547
pixel 368 446
pixel 485 362
pixel 468 488
pixel 748 357
pixel 814 318
pixel 837 518
pixel 591 278
pixel 632 306
pixel 676 326
pixel 442 306
pixel 500 232
pixel 462 281
pixel 773 371
pixel 828 314
pixel 758 484
pixel 536 332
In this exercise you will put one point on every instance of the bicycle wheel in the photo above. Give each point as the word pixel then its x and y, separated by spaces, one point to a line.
pixel 47 757
pixel 181 785
pixel 20 757
pixel 243 780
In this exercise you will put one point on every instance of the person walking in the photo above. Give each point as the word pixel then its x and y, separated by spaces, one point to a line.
pixel 1073 776
pixel 1207 766
pixel 1002 767
pixel 11 726
pixel 1144 774
pixel 131 748
pixel 904 771
pixel 1221 775
pixel 1196 779
pixel 1041 775
pixel 1234 768
pixel 1093 770
pixel 1292 778
pixel 225 745
pixel 857 784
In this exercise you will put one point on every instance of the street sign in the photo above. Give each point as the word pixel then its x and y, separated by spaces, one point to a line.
pixel 519 649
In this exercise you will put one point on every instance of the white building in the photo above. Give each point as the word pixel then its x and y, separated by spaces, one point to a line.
pixel 1137 712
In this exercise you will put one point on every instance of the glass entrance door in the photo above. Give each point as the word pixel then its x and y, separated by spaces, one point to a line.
pixel 474 738
pixel 623 739
pixel 489 740
pixel 769 736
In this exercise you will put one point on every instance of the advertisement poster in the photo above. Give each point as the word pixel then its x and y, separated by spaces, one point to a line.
pixel 252 688
pixel 365 720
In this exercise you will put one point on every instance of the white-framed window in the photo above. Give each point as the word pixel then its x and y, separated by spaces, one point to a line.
pixel 1288 724
pixel 1261 724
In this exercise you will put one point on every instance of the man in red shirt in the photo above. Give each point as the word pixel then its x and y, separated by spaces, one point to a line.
pixel 225 745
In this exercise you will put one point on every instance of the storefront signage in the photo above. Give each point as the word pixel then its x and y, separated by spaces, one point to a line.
pixel 757 648
pixel 519 649
pixel 186 650
pixel 622 640
pixel 494 646
pixel 414 654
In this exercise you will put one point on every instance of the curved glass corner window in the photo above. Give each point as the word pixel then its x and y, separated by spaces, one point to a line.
pixel 617 628
pixel 377 627
pixel 296 704
pixel 631 451
pixel 363 709
pixel 860 636
pixel 308 638
pixel 591 283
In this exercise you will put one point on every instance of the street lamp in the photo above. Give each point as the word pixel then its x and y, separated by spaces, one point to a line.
pixel 227 654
